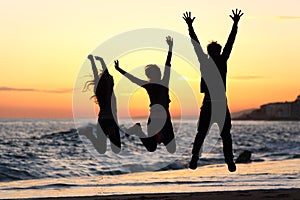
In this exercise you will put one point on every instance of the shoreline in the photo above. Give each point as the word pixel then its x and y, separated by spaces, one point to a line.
pixel 234 195
pixel 269 179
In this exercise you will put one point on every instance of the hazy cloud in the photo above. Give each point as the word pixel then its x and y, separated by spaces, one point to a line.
pixel 250 77
pixel 11 89
pixel 275 17
pixel 287 17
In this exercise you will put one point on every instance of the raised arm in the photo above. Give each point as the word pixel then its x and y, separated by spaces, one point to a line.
pixel 129 76
pixel 229 44
pixel 166 77
pixel 94 68
pixel 103 65
pixel 195 41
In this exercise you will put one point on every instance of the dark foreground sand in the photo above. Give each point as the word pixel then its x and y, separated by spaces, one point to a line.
pixel 232 195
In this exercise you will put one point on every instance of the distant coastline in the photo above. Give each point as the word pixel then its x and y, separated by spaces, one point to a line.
pixel 287 111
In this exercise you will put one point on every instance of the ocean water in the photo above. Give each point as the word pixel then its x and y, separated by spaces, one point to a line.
pixel 51 148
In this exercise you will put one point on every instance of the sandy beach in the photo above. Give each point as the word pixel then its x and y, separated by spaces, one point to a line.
pixel 233 195
pixel 258 180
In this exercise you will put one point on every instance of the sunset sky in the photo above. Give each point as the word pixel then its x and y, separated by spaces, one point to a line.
pixel 44 45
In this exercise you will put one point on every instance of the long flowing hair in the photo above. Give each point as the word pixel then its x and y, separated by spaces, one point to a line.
pixel 88 84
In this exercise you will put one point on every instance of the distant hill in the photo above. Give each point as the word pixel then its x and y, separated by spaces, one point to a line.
pixel 272 111
pixel 241 113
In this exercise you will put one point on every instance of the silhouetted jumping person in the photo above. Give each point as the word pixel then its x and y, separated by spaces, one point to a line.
pixel 159 126
pixel 107 117
pixel 220 61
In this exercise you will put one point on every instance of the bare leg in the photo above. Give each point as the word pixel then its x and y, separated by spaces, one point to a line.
pixel 115 140
pixel 150 143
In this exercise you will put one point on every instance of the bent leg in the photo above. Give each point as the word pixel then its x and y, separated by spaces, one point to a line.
pixel 111 130
pixel 168 135
pixel 114 137
pixel 150 143
pixel 100 142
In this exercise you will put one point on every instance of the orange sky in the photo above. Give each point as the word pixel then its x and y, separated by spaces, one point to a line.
pixel 44 44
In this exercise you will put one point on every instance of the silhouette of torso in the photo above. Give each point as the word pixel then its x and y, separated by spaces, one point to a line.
pixel 106 97
pixel 220 61
pixel 221 64
pixel 158 94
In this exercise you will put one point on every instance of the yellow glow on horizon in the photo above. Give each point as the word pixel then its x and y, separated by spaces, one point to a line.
pixel 183 88
pixel 43 45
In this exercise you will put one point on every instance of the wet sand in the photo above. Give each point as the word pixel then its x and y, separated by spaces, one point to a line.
pixel 233 195
pixel 258 180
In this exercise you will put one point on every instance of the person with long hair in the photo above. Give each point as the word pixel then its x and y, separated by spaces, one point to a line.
pixel 107 118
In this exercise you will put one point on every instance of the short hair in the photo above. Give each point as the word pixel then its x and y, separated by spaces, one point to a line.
pixel 214 48
pixel 152 71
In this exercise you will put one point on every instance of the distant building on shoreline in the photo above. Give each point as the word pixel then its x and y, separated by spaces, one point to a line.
pixel 275 111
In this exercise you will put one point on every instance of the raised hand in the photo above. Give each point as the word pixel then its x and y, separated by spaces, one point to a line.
pixel 169 41
pixel 117 65
pixel 188 18
pixel 90 57
pixel 236 15
pixel 98 58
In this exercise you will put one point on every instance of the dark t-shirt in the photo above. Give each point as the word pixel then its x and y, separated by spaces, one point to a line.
pixel 221 64
pixel 158 94
pixel 206 62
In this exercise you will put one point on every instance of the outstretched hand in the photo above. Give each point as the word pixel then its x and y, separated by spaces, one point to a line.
pixel 188 18
pixel 90 57
pixel 236 15
pixel 117 65
pixel 169 41
pixel 98 58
